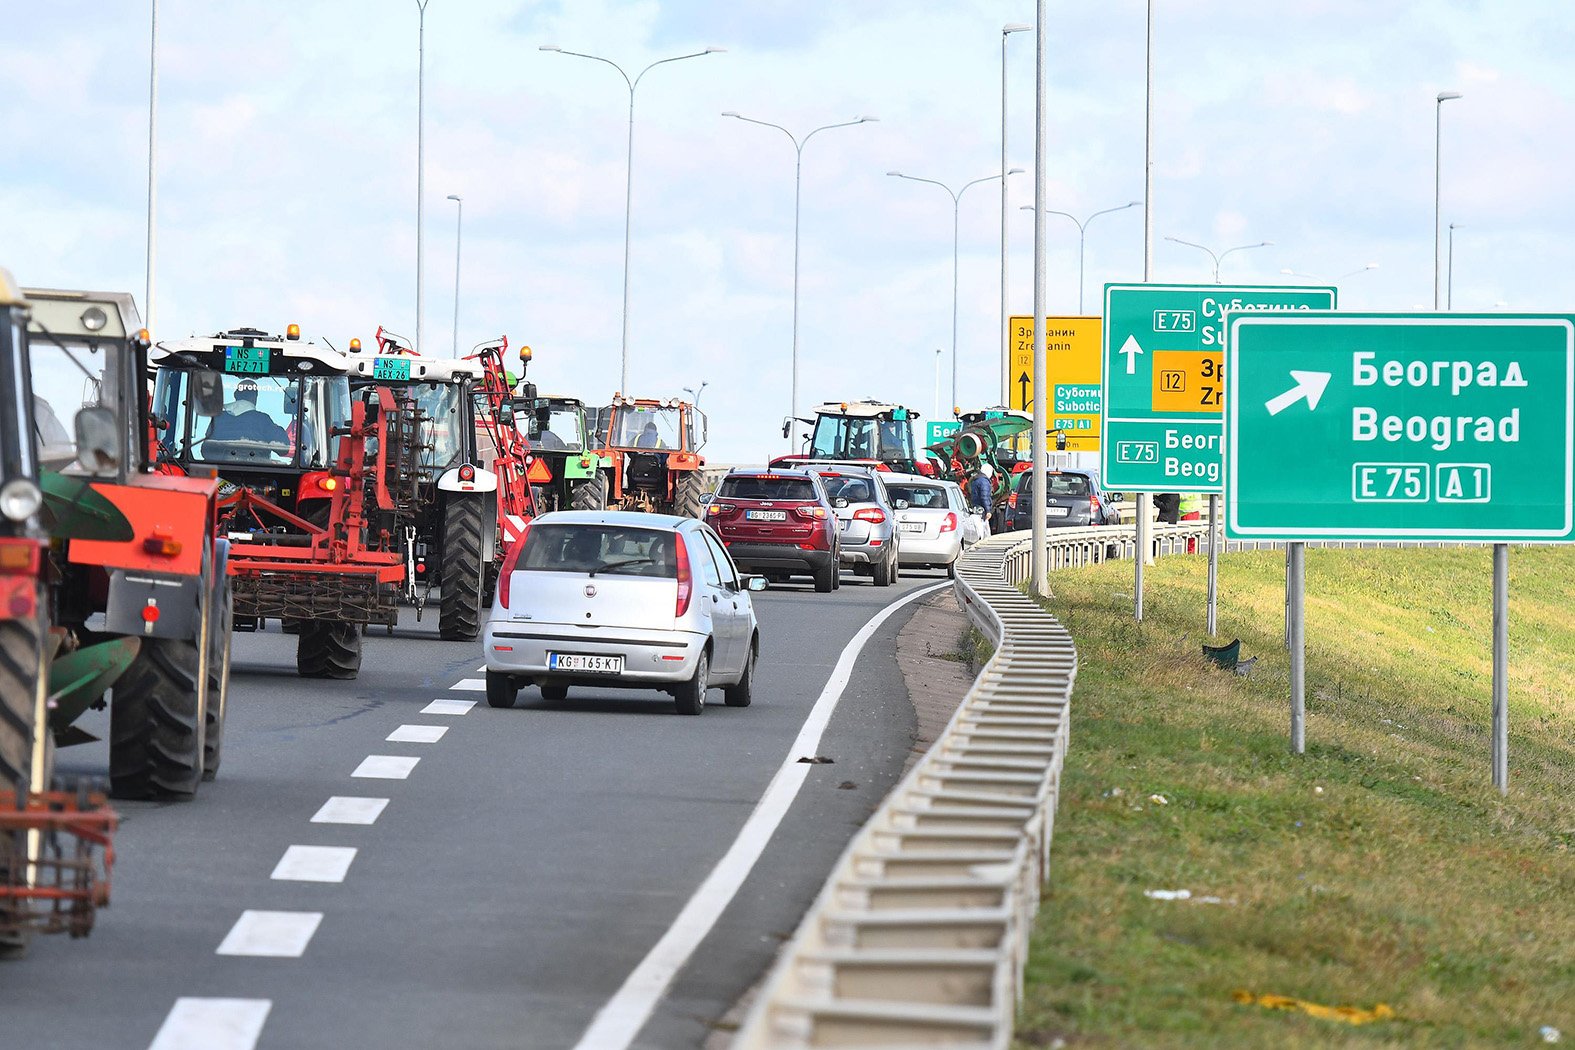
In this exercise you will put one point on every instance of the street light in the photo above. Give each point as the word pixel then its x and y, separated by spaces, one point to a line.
pixel 695 392
pixel 938 353
pixel 1449 288
pixel 628 182
pixel 421 164
pixel 1438 128
pixel 1082 230
pixel 956 197
pixel 1220 257
pixel 153 182
pixel 798 182
pixel 1343 276
pixel 459 220
pixel 1006 331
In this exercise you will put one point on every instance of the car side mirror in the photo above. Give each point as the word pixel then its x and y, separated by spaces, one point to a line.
pixel 506 414
pixel 207 390
pixel 98 440
pixel 755 583
pixel 787 425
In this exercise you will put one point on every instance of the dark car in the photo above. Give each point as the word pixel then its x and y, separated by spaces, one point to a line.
pixel 1073 498
pixel 778 523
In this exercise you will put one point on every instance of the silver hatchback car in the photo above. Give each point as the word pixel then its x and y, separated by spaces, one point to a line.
pixel 867 522
pixel 624 600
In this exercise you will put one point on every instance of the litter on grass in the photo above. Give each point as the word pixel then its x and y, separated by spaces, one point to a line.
pixel 1347 1014
pixel 1159 800
pixel 1185 895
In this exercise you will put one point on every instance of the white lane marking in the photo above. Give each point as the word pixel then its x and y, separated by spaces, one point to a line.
pixel 385 767
pixel 482 669
pixel 448 707
pixel 620 1020
pixel 468 685
pixel 350 809
pixel 212 1024
pixel 314 864
pixel 409 734
pixel 276 934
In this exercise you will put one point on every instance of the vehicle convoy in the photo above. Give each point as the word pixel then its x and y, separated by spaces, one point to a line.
pixel 779 522
pixel 316 485
pixel 665 606
pixel 984 437
pixel 652 449
pixel 872 432
pixel 931 514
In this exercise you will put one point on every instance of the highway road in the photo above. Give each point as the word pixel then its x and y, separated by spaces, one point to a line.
pixel 524 865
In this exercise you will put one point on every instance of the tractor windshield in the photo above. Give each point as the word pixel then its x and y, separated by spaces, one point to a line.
pixel 862 437
pixel 214 417
pixel 68 375
pixel 443 405
pixel 553 427
pixel 649 427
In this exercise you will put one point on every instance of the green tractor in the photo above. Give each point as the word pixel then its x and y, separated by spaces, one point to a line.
pixel 563 470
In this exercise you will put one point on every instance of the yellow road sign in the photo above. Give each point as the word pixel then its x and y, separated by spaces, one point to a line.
pixel 1073 362
pixel 1188 380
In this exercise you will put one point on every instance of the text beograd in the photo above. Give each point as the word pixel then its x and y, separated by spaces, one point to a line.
pixel 1440 431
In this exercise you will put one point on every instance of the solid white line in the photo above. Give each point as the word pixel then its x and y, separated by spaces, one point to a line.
pixel 385 767
pixel 620 1020
pixel 448 707
pixel 276 934
pixel 348 809
pixel 212 1024
pixel 468 685
pixel 314 864
pixel 408 734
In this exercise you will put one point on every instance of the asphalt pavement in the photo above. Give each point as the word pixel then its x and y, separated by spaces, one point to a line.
pixel 524 863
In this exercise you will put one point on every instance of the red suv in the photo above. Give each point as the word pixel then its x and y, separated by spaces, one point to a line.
pixel 778 523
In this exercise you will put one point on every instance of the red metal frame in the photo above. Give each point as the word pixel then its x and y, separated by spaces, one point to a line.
pixel 74 882
pixel 513 462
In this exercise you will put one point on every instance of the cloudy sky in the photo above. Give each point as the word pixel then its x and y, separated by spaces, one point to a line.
pixel 287 171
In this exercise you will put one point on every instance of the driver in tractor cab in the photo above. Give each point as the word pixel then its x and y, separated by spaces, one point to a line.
pixel 242 421
pixel 648 438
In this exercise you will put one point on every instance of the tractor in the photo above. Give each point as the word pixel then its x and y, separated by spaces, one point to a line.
pixel 652 451
pixel 563 469
pixel 317 485
pixel 869 432
pixel 984 438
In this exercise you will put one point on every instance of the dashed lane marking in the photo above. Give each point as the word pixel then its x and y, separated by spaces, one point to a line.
pixel 448 707
pixel 314 864
pixel 468 685
pixel 385 767
pixel 349 809
pixel 274 934
pixel 212 1024
pixel 409 734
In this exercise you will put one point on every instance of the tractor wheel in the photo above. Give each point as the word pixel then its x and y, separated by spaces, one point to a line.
pixel 691 486
pixel 22 681
pixel 156 722
pixel 460 616
pixel 590 494
pixel 328 649
pixel 220 626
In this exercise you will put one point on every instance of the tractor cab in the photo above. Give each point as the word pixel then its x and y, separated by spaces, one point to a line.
pixel 654 448
pixel 551 424
pixel 866 430
pixel 442 389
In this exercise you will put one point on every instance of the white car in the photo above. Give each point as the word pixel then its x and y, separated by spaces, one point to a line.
pixel 625 600
pixel 931 517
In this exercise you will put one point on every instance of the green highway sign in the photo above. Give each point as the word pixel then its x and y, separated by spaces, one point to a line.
pixel 1163 379
pixel 1400 426
pixel 940 429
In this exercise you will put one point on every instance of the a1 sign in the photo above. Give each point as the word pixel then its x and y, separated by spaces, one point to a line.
pixel 1164 378
pixel 1400 426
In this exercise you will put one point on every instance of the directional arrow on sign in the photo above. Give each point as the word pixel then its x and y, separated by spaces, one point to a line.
pixel 1023 381
pixel 1131 349
pixel 1310 385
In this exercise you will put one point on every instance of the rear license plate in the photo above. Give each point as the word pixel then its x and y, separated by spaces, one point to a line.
pixel 583 662
pixel 1058 512
pixel 912 526
pixel 765 515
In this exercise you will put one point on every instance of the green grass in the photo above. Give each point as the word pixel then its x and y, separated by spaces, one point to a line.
pixel 1380 867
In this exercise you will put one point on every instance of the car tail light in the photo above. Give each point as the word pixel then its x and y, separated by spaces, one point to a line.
pixel 506 572
pixel 874 514
pixel 1093 506
pixel 685 580
pixel 811 513
pixel 949 523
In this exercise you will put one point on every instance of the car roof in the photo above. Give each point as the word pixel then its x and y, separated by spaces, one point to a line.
pixel 894 478
pixel 768 472
pixel 633 518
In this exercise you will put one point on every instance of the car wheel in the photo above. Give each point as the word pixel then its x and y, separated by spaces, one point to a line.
pixel 555 692
pixel 836 577
pixel 741 694
pixel 951 569
pixel 689 697
pixel 826 579
pixel 501 690
pixel 882 572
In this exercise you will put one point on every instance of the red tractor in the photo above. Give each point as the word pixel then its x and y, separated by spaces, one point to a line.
pixel 652 448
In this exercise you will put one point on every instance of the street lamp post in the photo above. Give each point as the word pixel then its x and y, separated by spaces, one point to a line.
pixel 459 223
pixel 628 181
pixel 153 180
pixel 938 353
pixel 695 392
pixel 1221 256
pixel 1449 291
pixel 421 165
pixel 1438 149
pixel 1314 277
pixel 956 196
pixel 1082 232
pixel 798 184
pixel 1006 331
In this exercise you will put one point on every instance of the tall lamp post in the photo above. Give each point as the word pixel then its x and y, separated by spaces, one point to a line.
pixel 153 180
pixel 798 185
pixel 1221 256
pixel 628 181
pixel 1006 330
pixel 1438 151
pixel 1082 234
pixel 459 224
pixel 1343 276
pixel 1449 291
pixel 421 163
pixel 938 353
pixel 695 392
pixel 956 196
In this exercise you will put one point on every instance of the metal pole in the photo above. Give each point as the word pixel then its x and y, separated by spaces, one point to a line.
pixel 1038 565
pixel 1501 667
pixel 459 226
pixel 421 169
pixel 1438 153
pixel 1006 337
pixel 1296 562
pixel 1214 564
pixel 153 179
pixel 1144 500
pixel 628 206
pixel 798 182
pixel 938 383
pixel 956 214
pixel 1082 244
pixel 1449 293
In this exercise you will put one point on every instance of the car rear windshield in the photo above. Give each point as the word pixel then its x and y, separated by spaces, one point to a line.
pixel 920 497
pixel 852 488
pixel 787 489
pixel 1067 485
pixel 613 550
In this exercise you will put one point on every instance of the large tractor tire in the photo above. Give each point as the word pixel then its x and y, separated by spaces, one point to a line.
pixel 156 722
pixel 686 503
pixel 460 616
pixel 590 494
pixel 220 626
pixel 22 681
pixel 328 649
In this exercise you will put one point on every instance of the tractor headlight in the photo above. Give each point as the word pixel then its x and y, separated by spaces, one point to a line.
pixel 20 499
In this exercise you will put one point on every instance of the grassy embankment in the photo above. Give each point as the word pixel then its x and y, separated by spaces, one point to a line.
pixel 1380 867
